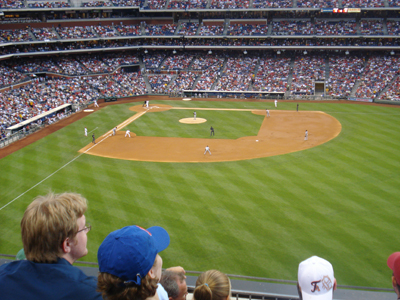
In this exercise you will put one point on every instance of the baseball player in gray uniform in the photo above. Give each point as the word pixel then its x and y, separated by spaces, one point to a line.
pixel 207 150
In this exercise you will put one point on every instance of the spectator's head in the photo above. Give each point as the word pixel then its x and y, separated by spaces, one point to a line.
pixel 54 226
pixel 175 285
pixel 129 264
pixel 393 263
pixel 316 280
pixel 212 285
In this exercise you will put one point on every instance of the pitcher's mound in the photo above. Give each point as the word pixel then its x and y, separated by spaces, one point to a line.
pixel 192 120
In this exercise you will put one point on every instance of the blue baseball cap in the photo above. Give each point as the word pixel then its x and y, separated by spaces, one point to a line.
pixel 130 252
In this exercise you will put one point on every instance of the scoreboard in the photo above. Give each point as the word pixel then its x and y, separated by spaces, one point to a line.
pixel 341 10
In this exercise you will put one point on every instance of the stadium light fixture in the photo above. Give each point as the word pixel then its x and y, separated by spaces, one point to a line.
pixel 347 52
pixel 174 52
pixel 244 52
pixel 278 52
pixel 305 52
pixel 392 52
pixel 145 51
pixel 209 52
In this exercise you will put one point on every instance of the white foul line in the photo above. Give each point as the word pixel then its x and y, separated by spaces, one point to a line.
pixel 53 173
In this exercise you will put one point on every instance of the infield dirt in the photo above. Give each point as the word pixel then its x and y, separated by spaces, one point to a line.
pixel 283 132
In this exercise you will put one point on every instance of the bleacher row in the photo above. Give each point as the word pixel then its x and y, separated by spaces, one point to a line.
pixel 321 27
pixel 206 4
pixel 162 73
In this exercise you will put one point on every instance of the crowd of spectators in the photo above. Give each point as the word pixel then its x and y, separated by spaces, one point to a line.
pixel 203 4
pixel 344 71
pixel 211 30
pixel 44 34
pixel 36 65
pixel 153 61
pixel 19 104
pixel 156 4
pixel 247 29
pixel 184 81
pixel 335 27
pixel 188 28
pixel 128 30
pixel 210 67
pixel 191 4
pixel 285 27
pixel 272 74
pixel 10 76
pixel 378 73
pixel 133 83
pixel 159 83
pixel 317 3
pixel 165 29
pixel 11 4
pixel 16 35
pixel 76 32
pixel 371 27
pixel 237 74
pixel 230 4
pixel 125 3
pixel 393 91
pixel 278 27
pixel 96 4
pixel 177 62
pixel 191 71
pixel 393 27
pixel 273 4
pixel 54 4
pixel 307 70
pixel 363 3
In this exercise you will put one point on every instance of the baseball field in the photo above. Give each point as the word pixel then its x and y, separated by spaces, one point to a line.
pixel 335 195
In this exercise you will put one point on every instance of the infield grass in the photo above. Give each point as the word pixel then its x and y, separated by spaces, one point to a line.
pixel 257 217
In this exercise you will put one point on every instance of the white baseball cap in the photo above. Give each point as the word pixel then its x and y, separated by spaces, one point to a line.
pixel 316 279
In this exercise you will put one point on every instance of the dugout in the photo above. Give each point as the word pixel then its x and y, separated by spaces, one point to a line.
pixel 65 108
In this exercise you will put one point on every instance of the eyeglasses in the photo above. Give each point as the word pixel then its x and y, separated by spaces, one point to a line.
pixel 87 228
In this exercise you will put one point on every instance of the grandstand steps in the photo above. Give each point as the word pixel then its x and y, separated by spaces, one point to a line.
pixel 254 74
pixel 251 4
pixel 219 74
pixel 290 77
pixel 144 74
pixel 226 26
pixel 195 82
pixel 358 82
pixel 166 4
pixel 173 78
pixel 32 36
pixel 384 23
pixel 327 73
pixel 208 4
pixel 146 3
pixel 387 86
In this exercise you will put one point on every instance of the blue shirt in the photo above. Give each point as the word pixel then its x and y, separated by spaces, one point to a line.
pixel 25 279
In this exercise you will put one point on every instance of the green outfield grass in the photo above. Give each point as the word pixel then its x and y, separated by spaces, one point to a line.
pixel 257 217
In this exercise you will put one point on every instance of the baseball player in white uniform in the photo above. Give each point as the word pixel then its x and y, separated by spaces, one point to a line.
pixel 128 133
pixel 306 136
pixel 194 115
pixel 115 130
pixel 207 150
pixel 276 103
pixel 95 103
pixel 267 112
pixel 85 131
pixel 147 103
